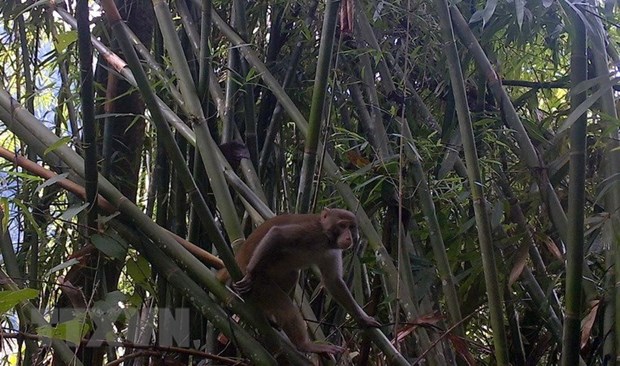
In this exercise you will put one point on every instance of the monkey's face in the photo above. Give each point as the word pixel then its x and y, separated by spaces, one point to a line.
pixel 340 226
pixel 346 234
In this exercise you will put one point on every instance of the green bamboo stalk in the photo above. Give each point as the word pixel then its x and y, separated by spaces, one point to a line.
pixel 197 297
pixel 232 82
pixel 425 339
pixel 89 138
pixel 375 131
pixel 28 129
pixel 10 262
pixel 171 117
pixel 321 78
pixel 367 75
pixel 87 96
pixel 204 61
pixel 427 204
pixel 240 20
pixel 147 57
pixel 330 168
pixel 179 163
pixel 414 101
pixel 114 61
pixel 204 141
pixel 527 150
pixel 247 168
pixel 440 252
pixel 549 306
pixel 274 122
pixel 188 22
pixel 26 64
pixel 535 163
pixel 9 259
pixel 34 317
pixel 576 194
pixel 475 184
pixel 612 198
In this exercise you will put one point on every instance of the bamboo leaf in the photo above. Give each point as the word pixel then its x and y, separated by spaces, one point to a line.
pixel 139 270
pixel 73 211
pixel 110 244
pixel 51 181
pixel 63 265
pixel 585 105
pixel 72 331
pixel 9 299
pixel 61 142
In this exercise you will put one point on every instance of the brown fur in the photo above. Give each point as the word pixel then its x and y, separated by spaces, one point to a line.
pixel 273 254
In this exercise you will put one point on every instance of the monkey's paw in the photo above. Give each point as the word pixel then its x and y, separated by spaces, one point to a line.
pixel 327 349
pixel 244 285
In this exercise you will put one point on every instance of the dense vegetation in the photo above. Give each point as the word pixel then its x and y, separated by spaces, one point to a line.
pixel 476 141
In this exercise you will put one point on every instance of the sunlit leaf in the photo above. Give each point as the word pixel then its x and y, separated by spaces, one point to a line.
pixel 8 299
pixel 63 265
pixel 72 331
pixel 139 270
pixel 73 211
pixel 60 142
pixel 51 181
pixel 64 40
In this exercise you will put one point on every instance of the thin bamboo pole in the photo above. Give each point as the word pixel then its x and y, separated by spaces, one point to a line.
pixel 475 183
pixel 87 96
pixel 576 194
pixel 612 199
pixel 204 141
pixel 168 139
pixel 32 132
pixel 323 68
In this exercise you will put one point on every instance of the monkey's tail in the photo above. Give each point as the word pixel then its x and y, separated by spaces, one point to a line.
pixel 223 276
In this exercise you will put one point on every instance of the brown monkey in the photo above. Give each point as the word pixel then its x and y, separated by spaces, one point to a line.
pixel 274 253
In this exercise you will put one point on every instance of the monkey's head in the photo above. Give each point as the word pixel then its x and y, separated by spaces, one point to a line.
pixel 340 226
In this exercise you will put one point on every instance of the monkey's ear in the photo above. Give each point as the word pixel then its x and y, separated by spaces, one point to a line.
pixel 325 213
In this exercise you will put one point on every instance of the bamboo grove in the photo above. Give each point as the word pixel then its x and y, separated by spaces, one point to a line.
pixel 476 142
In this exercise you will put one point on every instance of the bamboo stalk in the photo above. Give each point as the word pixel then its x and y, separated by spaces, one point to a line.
pixel 476 186
pixel 34 317
pixel 440 252
pixel 576 194
pixel 87 96
pixel 330 167
pixel 204 141
pixel 32 132
pixel 199 298
pixel 527 150
pixel 321 78
pixel 168 139
pixel 612 198
pixel 174 120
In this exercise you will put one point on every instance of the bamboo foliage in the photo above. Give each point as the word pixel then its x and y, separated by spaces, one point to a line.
pixel 477 194
pixel 318 102
pixel 488 231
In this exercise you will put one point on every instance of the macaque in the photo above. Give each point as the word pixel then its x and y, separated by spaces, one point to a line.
pixel 273 254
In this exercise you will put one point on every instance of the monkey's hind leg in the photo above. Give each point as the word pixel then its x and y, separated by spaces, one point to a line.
pixel 277 303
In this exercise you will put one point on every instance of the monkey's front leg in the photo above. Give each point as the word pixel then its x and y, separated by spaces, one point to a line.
pixel 244 285
pixel 261 258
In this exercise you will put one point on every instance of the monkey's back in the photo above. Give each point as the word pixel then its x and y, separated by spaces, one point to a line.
pixel 245 251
